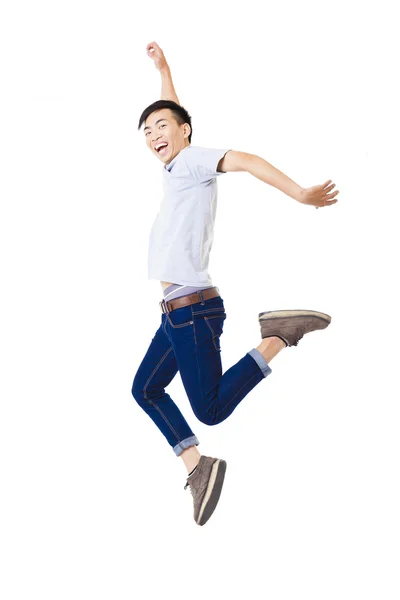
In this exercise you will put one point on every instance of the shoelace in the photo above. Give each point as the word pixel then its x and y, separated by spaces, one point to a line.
pixel 191 489
pixel 188 484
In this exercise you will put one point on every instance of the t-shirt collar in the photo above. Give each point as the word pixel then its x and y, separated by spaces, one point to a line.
pixel 169 166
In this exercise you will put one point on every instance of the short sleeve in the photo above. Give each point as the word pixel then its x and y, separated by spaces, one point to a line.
pixel 203 162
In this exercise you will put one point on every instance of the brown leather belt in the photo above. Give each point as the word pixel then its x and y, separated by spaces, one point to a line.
pixel 170 305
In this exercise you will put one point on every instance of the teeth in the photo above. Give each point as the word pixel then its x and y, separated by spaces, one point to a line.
pixel 161 146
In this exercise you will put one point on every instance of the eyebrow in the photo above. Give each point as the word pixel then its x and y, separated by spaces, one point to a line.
pixel 155 123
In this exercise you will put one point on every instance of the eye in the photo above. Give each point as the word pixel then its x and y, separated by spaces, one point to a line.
pixel 147 132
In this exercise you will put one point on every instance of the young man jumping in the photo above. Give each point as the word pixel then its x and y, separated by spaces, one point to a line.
pixel 193 312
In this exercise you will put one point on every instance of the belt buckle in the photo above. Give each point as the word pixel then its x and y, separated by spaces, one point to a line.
pixel 163 306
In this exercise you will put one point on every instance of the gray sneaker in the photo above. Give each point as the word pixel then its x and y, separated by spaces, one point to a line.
pixel 206 485
pixel 291 325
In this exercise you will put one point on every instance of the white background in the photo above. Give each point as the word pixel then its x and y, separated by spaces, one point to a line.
pixel 92 498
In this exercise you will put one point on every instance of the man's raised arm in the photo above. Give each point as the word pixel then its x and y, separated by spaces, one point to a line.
pixel 317 195
pixel 167 87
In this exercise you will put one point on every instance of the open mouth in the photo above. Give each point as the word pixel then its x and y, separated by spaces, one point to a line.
pixel 162 150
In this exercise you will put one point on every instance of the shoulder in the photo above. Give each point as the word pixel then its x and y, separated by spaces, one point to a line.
pixel 203 161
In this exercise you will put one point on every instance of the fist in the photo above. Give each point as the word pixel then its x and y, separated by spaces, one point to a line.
pixel 155 52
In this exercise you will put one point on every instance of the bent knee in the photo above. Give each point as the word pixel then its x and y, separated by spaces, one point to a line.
pixel 206 418
pixel 137 391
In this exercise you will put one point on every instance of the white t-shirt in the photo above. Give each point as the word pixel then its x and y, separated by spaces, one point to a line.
pixel 182 234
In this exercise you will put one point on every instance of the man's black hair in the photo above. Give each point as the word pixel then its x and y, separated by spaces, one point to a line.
pixel 180 114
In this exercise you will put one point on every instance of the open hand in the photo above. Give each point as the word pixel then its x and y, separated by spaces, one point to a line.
pixel 155 52
pixel 318 195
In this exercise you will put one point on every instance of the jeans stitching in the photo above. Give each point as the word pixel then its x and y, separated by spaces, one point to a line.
pixel 201 312
pixel 198 372
pixel 155 369
pixel 226 405
pixel 209 326
pixel 165 322
pixel 177 326
pixel 150 401
pixel 214 335
pixel 194 328
pixel 164 417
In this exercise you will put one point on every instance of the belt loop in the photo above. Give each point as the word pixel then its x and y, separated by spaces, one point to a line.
pixel 163 306
pixel 201 296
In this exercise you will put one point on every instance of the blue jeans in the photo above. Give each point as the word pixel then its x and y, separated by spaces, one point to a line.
pixel 188 341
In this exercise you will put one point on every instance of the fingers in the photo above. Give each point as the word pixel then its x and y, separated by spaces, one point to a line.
pixel 153 49
pixel 329 199
pixel 332 195
pixel 327 203
pixel 152 45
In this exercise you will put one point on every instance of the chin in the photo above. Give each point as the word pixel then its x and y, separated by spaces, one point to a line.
pixel 162 158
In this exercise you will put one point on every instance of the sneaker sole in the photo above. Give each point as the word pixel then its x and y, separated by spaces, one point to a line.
pixel 277 314
pixel 213 491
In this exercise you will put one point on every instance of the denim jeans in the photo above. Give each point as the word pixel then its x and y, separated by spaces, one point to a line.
pixel 188 341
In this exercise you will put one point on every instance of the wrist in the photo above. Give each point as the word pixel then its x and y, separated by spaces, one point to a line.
pixel 165 70
pixel 300 195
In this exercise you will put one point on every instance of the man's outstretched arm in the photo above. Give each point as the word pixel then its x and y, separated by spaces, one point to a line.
pixel 167 86
pixel 255 165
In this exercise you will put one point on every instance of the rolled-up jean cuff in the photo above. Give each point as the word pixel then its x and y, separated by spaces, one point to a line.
pixel 260 360
pixel 186 443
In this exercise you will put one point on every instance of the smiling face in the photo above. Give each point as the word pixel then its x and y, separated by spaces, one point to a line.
pixel 160 129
